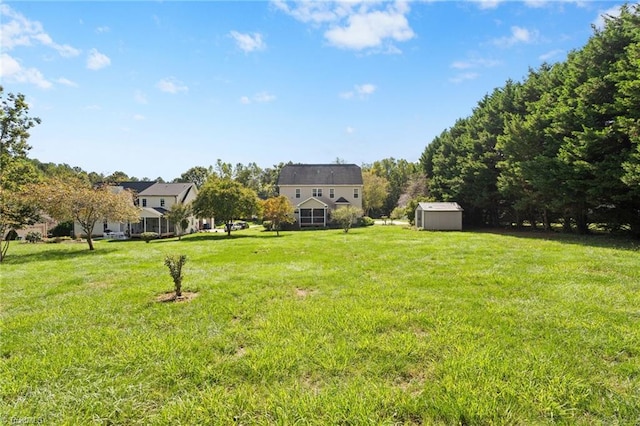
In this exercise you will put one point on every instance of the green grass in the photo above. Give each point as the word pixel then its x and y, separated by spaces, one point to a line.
pixel 382 325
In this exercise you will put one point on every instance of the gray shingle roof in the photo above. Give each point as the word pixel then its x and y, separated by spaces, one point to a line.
pixel 166 189
pixel 320 174
pixel 135 186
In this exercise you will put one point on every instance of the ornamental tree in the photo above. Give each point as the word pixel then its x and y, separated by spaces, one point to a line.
pixel 346 216
pixel 278 210
pixel 179 214
pixel 86 205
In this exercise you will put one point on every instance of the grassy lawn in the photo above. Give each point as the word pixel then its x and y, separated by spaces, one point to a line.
pixel 382 325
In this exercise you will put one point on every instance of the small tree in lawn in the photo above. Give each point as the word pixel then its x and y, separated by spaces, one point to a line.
pixel 175 264
pixel 346 216
pixel 179 216
pixel 397 214
pixel 278 210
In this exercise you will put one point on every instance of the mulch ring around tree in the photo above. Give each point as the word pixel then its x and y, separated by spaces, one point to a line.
pixel 170 296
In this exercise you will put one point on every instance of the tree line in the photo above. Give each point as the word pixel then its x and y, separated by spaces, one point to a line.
pixel 562 146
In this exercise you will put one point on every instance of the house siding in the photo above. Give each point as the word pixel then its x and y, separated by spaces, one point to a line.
pixel 153 194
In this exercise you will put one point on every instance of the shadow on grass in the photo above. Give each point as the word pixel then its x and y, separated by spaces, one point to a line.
pixel 618 242
pixel 55 254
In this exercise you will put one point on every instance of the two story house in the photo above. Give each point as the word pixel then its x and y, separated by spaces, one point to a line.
pixel 317 189
pixel 154 199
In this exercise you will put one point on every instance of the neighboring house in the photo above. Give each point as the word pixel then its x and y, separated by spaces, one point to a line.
pixel 439 216
pixel 154 199
pixel 317 189
pixel 43 227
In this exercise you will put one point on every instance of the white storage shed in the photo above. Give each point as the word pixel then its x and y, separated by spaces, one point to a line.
pixel 439 216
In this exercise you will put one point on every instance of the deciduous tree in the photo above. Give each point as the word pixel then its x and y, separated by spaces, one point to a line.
pixel 85 204
pixel 278 210
pixel 375 191
pixel 225 199
pixel 346 216
pixel 15 169
pixel 179 214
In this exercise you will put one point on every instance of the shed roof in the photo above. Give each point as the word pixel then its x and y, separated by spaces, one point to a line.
pixel 320 174
pixel 442 207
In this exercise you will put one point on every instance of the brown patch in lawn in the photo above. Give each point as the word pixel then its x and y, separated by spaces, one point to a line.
pixel 240 352
pixel 187 296
pixel 304 292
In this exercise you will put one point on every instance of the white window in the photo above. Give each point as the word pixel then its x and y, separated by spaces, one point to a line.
pixel 317 192
pixel 355 193
pixel 161 202
pixel 297 192
pixel 144 202
pixel 332 193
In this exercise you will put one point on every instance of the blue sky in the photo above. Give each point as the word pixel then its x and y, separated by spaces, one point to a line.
pixel 154 88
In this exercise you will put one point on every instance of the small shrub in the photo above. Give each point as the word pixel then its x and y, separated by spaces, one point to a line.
pixel 148 236
pixel 175 264
pixel 268 225
pixel 33 237
pixel 62 229
pixel 365 221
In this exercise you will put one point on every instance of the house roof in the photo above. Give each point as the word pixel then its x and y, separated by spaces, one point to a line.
pixel 442 207
pixel 152 212
pixel 312 200
pixel 166 189
pixel 342 200
pixel 136 186
pixel 320 174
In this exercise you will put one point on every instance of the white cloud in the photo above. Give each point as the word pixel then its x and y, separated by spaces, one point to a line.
pixel 261 97
pixel 536 3
pixel 248 42
pixel 138 117
pixel 67 82
pixel 550 55
pixel 346 95
pixel 97 60
pixel 518 35
pixel 350 130
pixel 464 77
pixel 171 85
pixel 363 91
pixel 140 97
pixel 600 20
pixel 12 71
pixel 488 4
pixel 16 30
pixel 264 97
pixel 475 63
pixel 373 26
pixel 103 29
pixel 93 107
pixel 370 30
